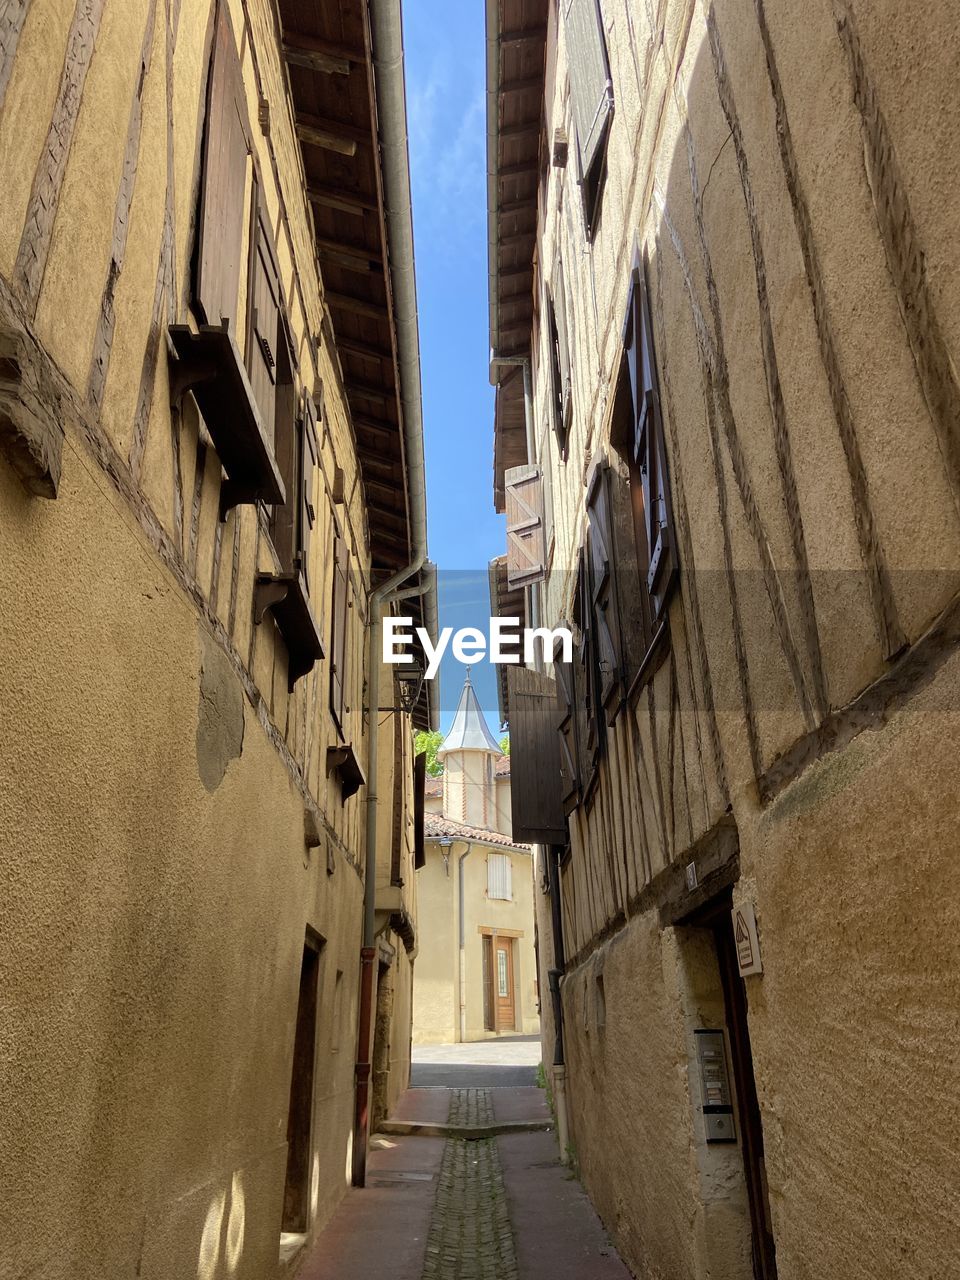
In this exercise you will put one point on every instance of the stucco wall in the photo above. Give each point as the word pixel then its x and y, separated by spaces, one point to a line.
pixel 154 769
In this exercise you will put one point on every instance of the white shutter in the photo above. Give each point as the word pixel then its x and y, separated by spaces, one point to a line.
pixel 499 877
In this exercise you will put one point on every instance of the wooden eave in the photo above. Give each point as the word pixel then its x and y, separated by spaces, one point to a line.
pixel 327 51
pixel 520 109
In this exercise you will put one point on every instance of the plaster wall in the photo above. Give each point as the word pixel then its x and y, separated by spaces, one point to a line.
pixel 155 770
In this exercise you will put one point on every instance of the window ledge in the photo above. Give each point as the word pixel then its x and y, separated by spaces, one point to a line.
pixel 285 596
pixel 209 366
pixel 343 761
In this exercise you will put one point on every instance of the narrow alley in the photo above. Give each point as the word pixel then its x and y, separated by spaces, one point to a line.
pixel 464 1182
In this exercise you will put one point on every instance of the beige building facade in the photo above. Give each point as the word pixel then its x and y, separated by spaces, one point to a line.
pixel 724 328
pixel 210 480
pixel 476 973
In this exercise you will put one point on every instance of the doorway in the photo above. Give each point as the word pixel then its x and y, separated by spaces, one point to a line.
pixel 296 1194
pixel 724 993
pixel 499 986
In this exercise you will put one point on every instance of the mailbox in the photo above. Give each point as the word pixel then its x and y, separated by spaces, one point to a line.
pixel 715 1087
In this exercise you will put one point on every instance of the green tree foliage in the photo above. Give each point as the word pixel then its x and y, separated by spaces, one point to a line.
pixel 505 744
pixel 429 741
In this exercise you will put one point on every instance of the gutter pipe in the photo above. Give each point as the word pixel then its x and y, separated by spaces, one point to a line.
pixel 462 975
pixel 386 33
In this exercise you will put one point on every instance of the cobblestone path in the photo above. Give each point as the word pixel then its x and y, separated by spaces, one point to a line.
pixel 470 1237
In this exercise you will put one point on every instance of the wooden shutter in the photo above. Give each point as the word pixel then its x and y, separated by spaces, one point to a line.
pixel 647 447
pixel 586 679
pixel 499 877
pixel 560 398
pixel 226 150
pixel 308 460
pixel 419 809
pixel 605 617
pixel 338 653
pixel 591 89
pixel 526 552
pixel 536 766
pixel 567 728
pixel 565 383
pixel 264 330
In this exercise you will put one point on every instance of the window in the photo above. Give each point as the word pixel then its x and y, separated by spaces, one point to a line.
pixel 641 440
pixel 226 161
pixel 591 93
pixel 561 396
pixel 526 551
pixel 339 610
pixel 499 877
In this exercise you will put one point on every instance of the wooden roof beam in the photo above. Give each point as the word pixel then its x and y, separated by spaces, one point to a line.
pixel 332 135
pixel 314 44
pixel 519 129
pixel 523 37
pixel 315 60
pixel 339 199
pixel 370 392
pixel 362 350
pixel 522 170
pixel 363 423
pixel 358 306
pixel 520 86
pixel 504 242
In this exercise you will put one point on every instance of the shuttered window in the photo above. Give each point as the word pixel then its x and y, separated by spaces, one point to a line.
pixel 536 795
pixel 567 727
pixel 561 398
pixel 526 550
pixel 339 611
pixel 590 723
pixel 226 152
pixel 499 877
pixel 591 93
pixel 603 591
pixel 646 455
pixel 264 335
pixel 308 450
pixel 419 809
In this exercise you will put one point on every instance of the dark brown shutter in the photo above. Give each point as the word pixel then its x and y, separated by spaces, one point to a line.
pixel 226 149
pixel 567 727
pixel 264 333
pixel 536 783
pixel 647 448
pixel 308 459
pixel 526 552
pixel 338 655
pixel 605 617
pixel 419 809
pixel 563 351
pixel 559 368
pixel 586 686
pixel 591 89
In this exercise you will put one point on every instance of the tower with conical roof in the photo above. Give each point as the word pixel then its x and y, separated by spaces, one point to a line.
pixel 469 754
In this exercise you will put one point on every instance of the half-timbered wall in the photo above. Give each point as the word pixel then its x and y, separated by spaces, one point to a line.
pixel 785 170
pixel 170 825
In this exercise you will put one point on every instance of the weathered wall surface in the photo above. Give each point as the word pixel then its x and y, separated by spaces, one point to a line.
pixel 154 767
pixel 785 172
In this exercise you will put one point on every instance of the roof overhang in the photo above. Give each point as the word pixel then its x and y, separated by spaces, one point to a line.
pixel 516 69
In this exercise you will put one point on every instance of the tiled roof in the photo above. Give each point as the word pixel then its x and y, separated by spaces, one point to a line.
pixel 436 826
pixel 502 767
pixel 433 786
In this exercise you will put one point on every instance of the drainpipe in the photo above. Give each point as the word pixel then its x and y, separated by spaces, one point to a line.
pixel 461 966
pixel 387 53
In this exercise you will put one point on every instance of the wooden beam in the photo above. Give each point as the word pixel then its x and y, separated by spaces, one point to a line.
pixel 518 206
pixel 363 350
pixel 359 306
pixel 518 130
pixel 523 37
pixel 313 44
pixel 315 60
pixel 521 170
pixel 368 391
pixel 307 122
pixel 344 201
pixel 504 242
pixel 328 141
pixel 347 262
pixel 350 250
pixel 511 272
pixel 520 86
pixel 363 423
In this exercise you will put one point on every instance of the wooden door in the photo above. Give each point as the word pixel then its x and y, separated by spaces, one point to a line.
pixel 489 1001
pixel 503 984
pixel 748 1106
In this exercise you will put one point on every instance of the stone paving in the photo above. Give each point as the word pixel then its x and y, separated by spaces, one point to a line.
pixel 470 1107
pixel 470 1236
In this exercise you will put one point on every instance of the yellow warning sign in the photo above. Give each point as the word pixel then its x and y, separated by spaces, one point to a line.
pixel 746 939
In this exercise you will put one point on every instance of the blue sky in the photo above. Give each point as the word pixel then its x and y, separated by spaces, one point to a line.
pixel 445 71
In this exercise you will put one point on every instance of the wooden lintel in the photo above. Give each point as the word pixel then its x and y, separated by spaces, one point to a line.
pixel 523 37
pixel 315 60
pixel 314 44
pixel 359 306
pixel 328 141
pixel 307 121
pixel 343 201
